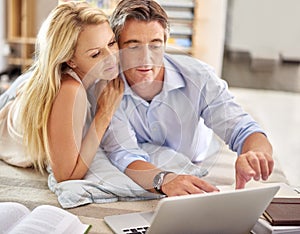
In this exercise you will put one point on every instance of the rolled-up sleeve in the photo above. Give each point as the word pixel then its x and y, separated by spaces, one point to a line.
pixel 245 127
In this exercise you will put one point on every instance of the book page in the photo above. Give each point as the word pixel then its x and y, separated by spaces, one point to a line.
pixel 11 213
pixel 50 219
pixel 280 229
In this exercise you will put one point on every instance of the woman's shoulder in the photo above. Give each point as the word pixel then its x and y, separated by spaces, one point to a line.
pixel 67 79
pixel 71 89
pixel 69 83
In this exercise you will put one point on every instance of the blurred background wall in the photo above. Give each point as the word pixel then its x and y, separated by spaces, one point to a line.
pixel 264 28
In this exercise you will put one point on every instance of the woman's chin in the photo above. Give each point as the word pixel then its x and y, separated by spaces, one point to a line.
pixel 110 75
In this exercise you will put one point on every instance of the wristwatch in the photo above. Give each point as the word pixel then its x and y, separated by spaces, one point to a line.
pixel 158 181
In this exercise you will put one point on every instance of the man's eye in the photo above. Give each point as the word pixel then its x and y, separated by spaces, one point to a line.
pixel 155 46
pixel 133 46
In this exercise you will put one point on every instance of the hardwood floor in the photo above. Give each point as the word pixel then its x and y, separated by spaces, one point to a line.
pixel 240 71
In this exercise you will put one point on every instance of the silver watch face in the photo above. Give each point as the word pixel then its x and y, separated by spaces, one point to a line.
pixel 157 181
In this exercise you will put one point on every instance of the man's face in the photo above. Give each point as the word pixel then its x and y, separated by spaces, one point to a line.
pixel 141 52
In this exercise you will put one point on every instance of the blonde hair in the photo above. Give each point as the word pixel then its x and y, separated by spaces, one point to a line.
pixel 56 44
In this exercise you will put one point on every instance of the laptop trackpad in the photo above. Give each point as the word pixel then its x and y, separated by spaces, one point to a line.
pixel 129 221
pixel 148 216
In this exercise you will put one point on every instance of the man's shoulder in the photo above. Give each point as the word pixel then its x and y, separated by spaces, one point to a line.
pixel 187 62
pixel 190 68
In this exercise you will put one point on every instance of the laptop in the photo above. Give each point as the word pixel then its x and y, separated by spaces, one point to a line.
pixel 231 212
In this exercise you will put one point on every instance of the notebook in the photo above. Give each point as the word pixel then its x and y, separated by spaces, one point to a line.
pixel 283 211
pixel 234 211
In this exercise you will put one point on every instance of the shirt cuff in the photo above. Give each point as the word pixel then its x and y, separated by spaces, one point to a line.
pixel 122 160
pixel 242 130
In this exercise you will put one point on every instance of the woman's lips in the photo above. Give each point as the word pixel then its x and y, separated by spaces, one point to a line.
pixel 112 68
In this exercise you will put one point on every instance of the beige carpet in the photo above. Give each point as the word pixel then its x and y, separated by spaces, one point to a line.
pixel 30 188
pixel 279 114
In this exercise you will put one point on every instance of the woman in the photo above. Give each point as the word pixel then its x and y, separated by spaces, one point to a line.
pixel 58 113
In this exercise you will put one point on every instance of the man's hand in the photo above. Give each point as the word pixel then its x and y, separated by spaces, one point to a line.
pixel 254 165
pixel 255 161
pixel 175 185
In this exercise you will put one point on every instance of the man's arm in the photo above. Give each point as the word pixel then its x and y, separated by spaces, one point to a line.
pixel 255 160
pixel 143 174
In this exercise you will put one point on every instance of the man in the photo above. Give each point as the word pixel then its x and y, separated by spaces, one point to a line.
pixel 166 99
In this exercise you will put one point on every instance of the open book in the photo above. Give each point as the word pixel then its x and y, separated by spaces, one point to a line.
pixel 17 218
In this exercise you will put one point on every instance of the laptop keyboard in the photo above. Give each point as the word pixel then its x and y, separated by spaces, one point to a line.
pixel 136 230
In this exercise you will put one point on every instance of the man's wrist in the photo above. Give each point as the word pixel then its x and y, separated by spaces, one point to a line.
pixel 158 181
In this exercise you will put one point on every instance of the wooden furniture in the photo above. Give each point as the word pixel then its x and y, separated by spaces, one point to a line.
pixel 209 32
pixel 21 31
pixel 181 18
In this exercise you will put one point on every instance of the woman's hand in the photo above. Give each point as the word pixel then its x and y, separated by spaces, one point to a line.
pixel 110 96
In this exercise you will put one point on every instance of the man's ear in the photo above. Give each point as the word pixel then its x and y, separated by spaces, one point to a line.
pixel 71 64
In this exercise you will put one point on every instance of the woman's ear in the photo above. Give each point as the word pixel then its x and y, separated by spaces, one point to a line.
pixel 71 64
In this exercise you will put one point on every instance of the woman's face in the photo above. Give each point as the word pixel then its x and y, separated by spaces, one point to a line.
pixel 96 54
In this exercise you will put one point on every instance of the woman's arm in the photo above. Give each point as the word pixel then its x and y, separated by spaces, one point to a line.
pixel 70 154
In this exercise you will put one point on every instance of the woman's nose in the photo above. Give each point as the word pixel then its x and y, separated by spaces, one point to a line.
pixel 110 55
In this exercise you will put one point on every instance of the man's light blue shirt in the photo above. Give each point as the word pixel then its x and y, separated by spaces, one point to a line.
pixel 193 102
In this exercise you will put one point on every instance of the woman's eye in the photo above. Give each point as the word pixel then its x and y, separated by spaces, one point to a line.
pixel 96 54
pixel 112 43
